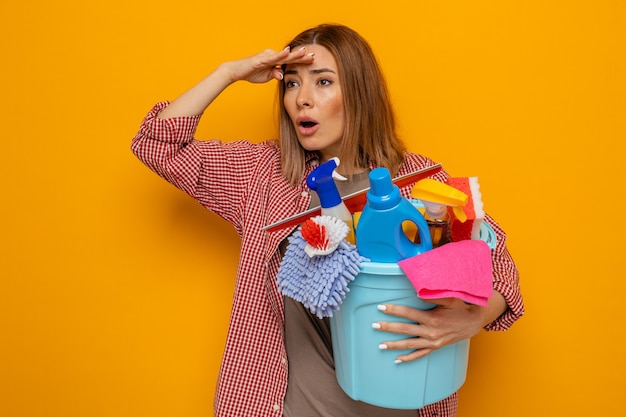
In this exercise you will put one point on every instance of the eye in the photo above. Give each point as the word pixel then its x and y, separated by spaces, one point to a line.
pixel 290 84
pixel 325 82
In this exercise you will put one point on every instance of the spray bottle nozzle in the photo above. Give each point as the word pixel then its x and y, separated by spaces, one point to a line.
pixel 327 169
pixel 440 194
pixel 321 181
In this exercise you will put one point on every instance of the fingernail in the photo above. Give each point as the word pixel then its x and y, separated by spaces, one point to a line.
pixel 382 307
pixel 375 325
pixel 383 346
pixel 311 54
pixel 280 75
pixel 288 48
pixel 397 361
pixel 301 48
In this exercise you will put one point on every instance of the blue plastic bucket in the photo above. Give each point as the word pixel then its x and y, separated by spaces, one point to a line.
pixel 369 374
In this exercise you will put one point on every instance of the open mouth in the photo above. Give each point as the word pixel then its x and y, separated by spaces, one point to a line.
pixel 307 126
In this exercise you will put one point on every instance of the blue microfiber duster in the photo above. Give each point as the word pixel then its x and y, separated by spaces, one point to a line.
pixel 316 272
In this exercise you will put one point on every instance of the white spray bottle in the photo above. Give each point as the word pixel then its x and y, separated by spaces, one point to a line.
pixel 321 181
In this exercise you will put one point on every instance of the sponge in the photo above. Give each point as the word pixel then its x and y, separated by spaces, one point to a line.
pixel 469 229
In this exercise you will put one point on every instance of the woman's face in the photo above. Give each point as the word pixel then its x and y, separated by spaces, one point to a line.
pixel 314 102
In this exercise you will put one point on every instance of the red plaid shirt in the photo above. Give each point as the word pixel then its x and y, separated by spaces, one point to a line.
pixel 242 182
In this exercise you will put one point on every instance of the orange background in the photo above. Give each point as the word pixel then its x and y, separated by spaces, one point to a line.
pixel 115 287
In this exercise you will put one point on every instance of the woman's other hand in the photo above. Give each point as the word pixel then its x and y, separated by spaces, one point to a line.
pixel 451 321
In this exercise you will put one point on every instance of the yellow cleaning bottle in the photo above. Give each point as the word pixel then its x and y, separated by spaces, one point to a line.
pixel 436 196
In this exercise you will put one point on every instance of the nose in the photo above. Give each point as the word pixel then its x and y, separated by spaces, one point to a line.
pixel 304 98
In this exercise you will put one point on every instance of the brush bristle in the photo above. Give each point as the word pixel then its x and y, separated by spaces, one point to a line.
pixel 315 234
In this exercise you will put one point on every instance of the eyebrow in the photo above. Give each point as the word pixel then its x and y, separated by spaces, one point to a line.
pixel 313 71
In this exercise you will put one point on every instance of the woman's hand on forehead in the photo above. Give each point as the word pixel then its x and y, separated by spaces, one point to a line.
pixel 266 65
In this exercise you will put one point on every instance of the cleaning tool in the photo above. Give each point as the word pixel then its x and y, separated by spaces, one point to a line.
pixel 458 269
pixel 323 234
pixel 379 235
pixel 354 201
pixel 473 210
pixel 318 265
pixel 365 371
pixel 321 181
pixel 487 234
pixel 436 197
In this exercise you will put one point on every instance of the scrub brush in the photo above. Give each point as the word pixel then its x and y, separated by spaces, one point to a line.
pixel 318 265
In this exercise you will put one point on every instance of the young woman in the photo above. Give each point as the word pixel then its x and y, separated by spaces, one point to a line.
pixel 334 102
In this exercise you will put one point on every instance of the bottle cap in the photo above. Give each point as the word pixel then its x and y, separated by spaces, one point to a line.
pixel 383 193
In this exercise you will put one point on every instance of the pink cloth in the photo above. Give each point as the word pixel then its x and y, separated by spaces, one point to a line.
pixel 457 269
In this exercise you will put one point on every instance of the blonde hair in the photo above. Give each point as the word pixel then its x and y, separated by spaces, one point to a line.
pixel 370 136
